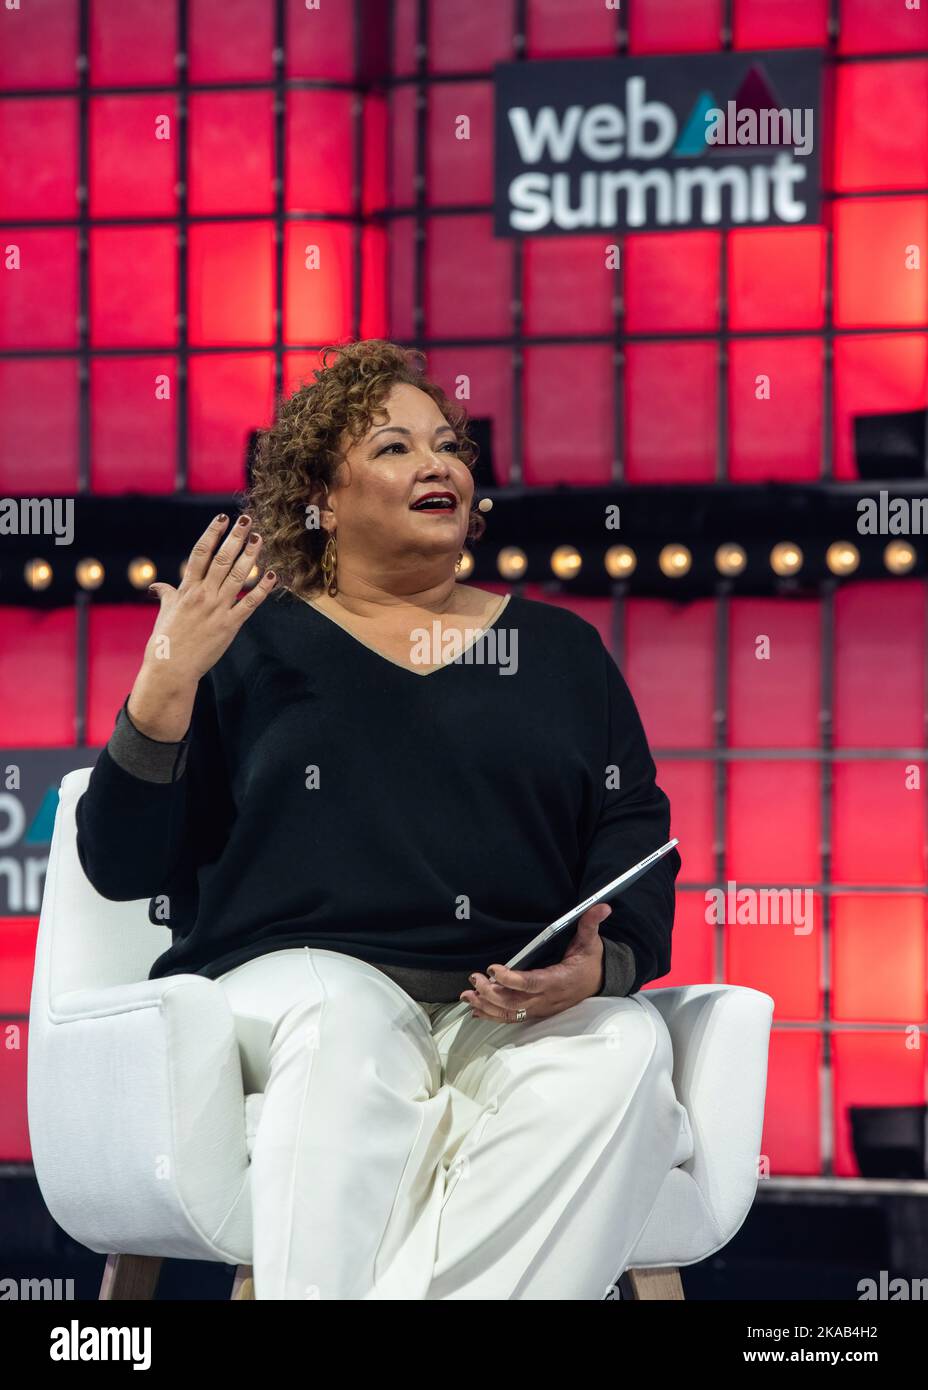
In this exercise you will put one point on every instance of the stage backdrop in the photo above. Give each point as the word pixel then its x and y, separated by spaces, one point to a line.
pixel 189 215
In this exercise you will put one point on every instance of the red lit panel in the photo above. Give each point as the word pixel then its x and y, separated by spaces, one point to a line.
pixel 38 656
pixel 17 963
pixel 780 956
pixel 879 627
pixel 405 36
pixel 874 103
pixel 39 410
pixel 373 282
pixel 468 279
pixel 691 948
pixel 401 287
pixel 485 375
pixel 670 412
pixel 459 165
pixel 874 240
pixel 132 42
pixel 871 1069
pixel 133 286
pixel 14 1128
pixel 875 375
pixel 133 424
pixel 319 152
pixel 116 638
pixel 468 37
pixel 590 33
pixel 38 45
pixel 39 304
pixel 773 815
pixel 878 962
pixel 374 161
pixel 231 293
pixel 878 822
pixel 320 42
pixel 872 26
pixel 565 284
pixel 790 1139
pixel 230 40
pixel 39 169
pixel 299 370
pixel 231 394
pixel 402 137
pixel 671 281
pixel 231 152
pixel 670 669
pixel 318 281
pixel 686 26
pixel 568 407
pixel 133 155
pixel 776 278
pixel 760 24
pixel 774 409
pixel 690 786
pixel 774 685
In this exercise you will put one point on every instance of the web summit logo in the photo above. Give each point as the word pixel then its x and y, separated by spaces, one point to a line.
pixel 653 144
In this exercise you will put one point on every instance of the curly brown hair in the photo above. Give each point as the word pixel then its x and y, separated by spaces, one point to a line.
pixel 296 459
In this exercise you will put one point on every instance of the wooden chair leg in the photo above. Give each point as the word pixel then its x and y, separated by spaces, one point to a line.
pixel 130 1277
pixel 651 1283
pixel 243 1285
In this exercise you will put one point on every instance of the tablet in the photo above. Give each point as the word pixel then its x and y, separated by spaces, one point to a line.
pixel 548 947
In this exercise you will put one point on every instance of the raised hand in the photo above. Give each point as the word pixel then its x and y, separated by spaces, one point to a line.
pixel 196 623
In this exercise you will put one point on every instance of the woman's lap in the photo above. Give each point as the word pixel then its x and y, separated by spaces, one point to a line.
pixel 264 989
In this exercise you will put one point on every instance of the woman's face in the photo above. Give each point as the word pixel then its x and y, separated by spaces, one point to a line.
pixel 401 459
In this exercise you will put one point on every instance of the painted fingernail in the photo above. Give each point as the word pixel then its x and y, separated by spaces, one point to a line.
pixel 221 519
pixel 253 538
pixel 244 520
pixel 473 979
pixel 270 575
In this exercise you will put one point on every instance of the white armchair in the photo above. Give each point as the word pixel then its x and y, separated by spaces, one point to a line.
pixel 141 1131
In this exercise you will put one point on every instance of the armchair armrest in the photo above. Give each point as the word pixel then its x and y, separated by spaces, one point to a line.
pixel 137 1118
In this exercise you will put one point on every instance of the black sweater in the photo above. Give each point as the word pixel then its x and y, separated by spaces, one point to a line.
pixel 428 823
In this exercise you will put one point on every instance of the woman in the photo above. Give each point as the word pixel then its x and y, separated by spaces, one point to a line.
pixel 349 829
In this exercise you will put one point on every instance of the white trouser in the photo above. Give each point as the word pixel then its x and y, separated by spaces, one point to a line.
pixel 396 1160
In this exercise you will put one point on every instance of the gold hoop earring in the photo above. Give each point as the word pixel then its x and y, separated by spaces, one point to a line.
pixel 329 564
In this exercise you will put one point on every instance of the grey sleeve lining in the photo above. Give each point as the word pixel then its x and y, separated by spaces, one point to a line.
pixel 146 758
pixel 618 968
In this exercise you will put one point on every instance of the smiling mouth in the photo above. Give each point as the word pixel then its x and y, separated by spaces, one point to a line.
pixel 434 504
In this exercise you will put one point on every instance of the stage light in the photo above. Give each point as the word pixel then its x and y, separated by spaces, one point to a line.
pixel 38 574
pixel 786 558
pixel 511 562
pixel 899 557
pixel 142 572
pixel 621 561
pixel 89 574
pixel 730 559
pixel 466 567
pixel 566 562
pixel 675 561
pixel 842 557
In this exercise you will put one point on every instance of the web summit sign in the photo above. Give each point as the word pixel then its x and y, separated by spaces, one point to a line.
pixel 658 144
